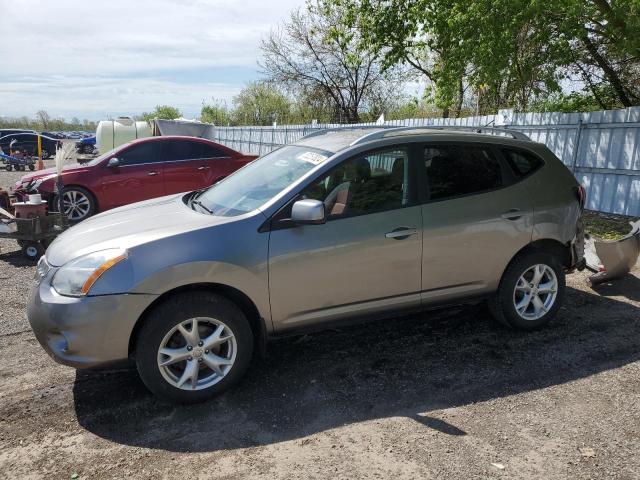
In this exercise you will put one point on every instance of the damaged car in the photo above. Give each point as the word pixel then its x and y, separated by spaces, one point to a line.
pixel 342 225
pixel 139 170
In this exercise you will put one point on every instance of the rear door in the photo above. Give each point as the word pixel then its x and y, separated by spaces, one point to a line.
pixel 182 162
pixel 221 162
pixel 476 217
pixel 192 164
pixel 138 177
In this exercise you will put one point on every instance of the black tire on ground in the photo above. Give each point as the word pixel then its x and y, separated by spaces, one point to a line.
pixel 502 305
pixel 32 250
pixel 172 312
pixel 32 167
pixel 92 202
pixel 9 167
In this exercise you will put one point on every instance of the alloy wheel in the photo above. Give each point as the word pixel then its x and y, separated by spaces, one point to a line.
pixel 535 292
pixel 197 353
pixel 76 204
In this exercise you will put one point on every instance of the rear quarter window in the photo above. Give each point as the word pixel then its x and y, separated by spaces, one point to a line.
pixel 522 163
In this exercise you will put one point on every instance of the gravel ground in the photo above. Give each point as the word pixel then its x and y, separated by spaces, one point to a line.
pixel 442 395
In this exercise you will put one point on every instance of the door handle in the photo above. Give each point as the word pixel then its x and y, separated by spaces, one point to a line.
pixel 151 174
pixel 513 214
pixel 203 168
pixel 401 233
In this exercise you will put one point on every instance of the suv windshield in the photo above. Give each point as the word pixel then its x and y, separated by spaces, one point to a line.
pixel 261 180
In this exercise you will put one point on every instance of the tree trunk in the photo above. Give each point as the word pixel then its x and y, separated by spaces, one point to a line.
pixel 608 70
pixel 460 99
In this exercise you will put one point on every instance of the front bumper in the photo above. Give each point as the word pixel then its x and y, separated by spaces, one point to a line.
pixel 87 331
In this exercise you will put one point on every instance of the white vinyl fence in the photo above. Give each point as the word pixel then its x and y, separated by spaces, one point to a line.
pixel 602 148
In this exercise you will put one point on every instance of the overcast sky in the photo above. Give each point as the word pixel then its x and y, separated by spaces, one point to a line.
pixel 93 59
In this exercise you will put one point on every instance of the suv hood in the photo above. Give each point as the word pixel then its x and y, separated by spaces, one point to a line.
pixel 129 226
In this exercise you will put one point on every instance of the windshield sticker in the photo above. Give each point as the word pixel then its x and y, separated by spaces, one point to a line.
pixel 281 163
pixel 312 157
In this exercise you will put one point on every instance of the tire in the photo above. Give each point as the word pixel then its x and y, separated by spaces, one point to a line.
pixel 83 210
pixel 32 167
pixel 32 250
pixel 159 331
pixel 9 167
pixel 518 287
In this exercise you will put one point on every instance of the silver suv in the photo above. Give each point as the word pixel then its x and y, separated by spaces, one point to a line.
pixel 340 225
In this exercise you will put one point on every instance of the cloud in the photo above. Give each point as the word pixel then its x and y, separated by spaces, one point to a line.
pixel 91 59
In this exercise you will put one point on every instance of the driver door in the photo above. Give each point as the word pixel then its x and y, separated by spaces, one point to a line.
pixel 365 259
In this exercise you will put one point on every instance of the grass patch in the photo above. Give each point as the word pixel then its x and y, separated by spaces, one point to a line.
pixel 607 226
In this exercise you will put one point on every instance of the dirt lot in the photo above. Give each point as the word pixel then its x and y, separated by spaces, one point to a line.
pixel 442 395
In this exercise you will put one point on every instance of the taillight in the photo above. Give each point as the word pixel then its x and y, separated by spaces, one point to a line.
pixel 581 194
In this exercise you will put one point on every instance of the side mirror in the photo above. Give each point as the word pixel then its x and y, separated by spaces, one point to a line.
pixel 113 162
pixel 308 212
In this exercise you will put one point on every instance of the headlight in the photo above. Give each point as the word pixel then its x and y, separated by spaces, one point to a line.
pixel 33 186
pixel 76 277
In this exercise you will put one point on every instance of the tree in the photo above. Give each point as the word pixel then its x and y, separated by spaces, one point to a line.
pixel 218 113
pixel 261 103
pixel 164 112
pixel 507 52
pixel 316 55
pixel 43 119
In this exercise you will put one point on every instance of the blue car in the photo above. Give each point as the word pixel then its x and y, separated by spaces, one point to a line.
pixel 86 145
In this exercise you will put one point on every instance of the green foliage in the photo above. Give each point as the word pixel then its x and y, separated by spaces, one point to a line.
pixel 163 112
pixel 506 52
pixel 50 124
pixel 567 102
pixel 218 113
pixel 261 103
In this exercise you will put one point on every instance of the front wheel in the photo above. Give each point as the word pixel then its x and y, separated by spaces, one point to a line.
pixel 78 203
pixel 530 292
pixel 193 347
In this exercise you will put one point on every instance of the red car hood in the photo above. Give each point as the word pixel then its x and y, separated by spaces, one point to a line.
pixel 48 172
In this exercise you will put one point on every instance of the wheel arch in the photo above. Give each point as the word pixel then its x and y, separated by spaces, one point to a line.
pixel 240 299
pixel 562 251
pixel 84 187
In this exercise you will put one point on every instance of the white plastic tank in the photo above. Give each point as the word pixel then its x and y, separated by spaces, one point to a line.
pixel 113 133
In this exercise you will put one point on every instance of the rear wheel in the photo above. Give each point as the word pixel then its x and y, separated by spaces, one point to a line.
pixel 9 167
pixel 531 291
pixel 193 347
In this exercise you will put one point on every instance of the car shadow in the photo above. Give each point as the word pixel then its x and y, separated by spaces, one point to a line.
pixel 411 367
pixel 627 286
pixel 17 259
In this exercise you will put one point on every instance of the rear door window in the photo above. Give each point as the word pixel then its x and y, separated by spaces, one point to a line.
pixel 458 170
pixel 176 150
pixel 212 152
pixel 148 152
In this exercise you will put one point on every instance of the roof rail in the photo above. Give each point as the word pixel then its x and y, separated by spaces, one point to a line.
pixel 322 131
pixel 517 135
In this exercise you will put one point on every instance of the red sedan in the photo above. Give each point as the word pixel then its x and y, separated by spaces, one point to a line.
pixel 139 170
